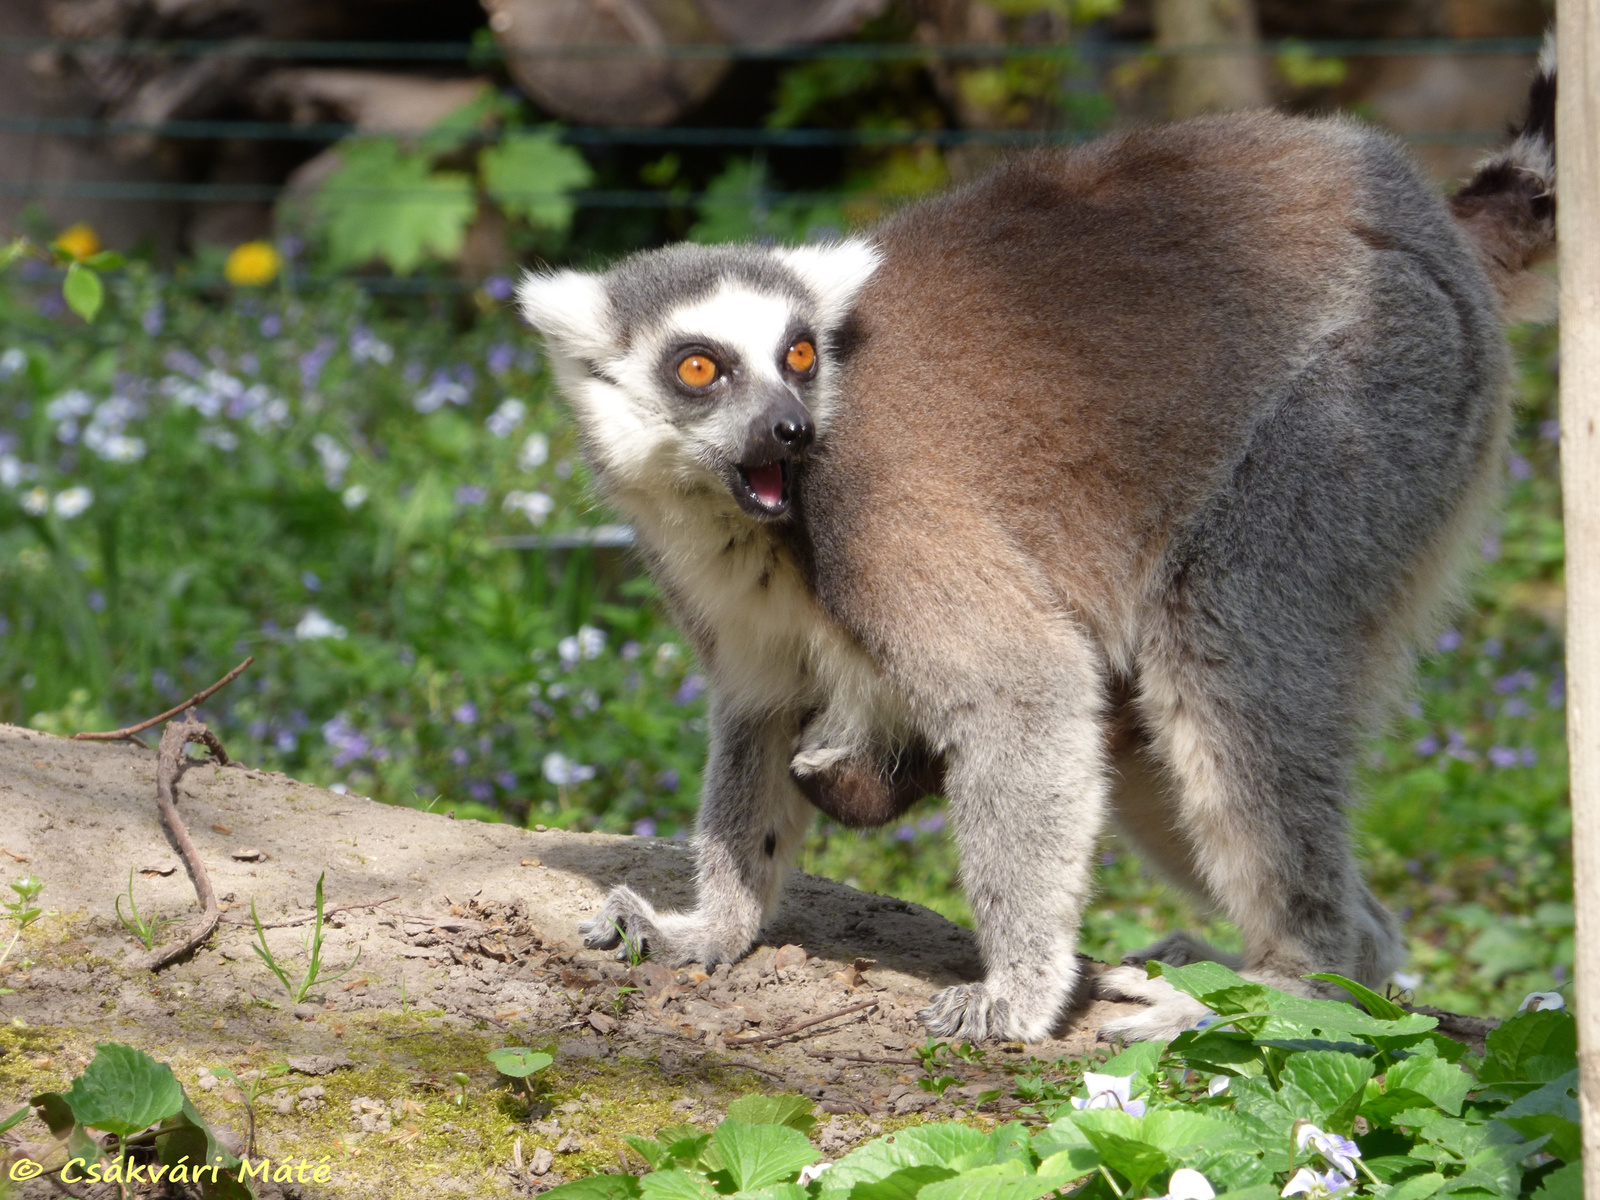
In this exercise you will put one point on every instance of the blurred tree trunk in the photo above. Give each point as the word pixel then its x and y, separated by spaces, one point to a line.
pixel 1211 80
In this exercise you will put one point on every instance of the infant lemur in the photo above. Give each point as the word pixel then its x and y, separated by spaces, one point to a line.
pixel 1119 483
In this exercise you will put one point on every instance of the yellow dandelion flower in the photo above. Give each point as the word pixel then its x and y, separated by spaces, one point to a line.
pixel 252 264
pixel 80 241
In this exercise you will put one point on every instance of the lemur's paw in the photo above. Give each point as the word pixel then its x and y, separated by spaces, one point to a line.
pixel 1180 949
pixel 626 921
pixel 974 1011
pixel 1170 1012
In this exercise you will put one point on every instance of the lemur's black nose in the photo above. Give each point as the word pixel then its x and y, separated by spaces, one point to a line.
pixel 794 433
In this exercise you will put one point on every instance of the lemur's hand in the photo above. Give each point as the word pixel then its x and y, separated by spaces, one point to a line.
pixel 631 924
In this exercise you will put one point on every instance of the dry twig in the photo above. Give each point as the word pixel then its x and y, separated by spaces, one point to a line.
pixel 127 733
pixel 830 1055
pixel 175 738
pixel 327 912
pixel 787 1030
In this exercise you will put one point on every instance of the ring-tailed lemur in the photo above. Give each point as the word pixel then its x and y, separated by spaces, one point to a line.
pixel 1120 483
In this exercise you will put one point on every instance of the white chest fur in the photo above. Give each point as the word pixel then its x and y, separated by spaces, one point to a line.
pixel 769 646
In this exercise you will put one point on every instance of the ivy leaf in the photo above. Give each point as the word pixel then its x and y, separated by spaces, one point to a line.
pixel 123 1091
pixel 788 1109
pixel 388 204
pixel 83 291
pixel 530 175
pixel 756 1155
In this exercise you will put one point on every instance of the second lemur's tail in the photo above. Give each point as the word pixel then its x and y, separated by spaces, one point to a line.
pixel 1508 208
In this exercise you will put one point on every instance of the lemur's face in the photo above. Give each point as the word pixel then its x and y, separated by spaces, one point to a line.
pixel 702 368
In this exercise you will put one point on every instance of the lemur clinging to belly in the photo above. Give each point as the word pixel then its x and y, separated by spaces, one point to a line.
pixel 1119 483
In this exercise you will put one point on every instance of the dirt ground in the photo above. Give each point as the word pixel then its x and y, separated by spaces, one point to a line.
pixel 473 946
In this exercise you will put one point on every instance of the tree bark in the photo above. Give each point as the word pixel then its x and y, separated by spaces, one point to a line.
pixel 1578 228
pixel 1218 64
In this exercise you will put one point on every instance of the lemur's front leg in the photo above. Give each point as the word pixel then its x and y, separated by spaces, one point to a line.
pixel 752 819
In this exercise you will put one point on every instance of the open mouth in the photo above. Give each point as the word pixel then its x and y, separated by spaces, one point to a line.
pixel 763 490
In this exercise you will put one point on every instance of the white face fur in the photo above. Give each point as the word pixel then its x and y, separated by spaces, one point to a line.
pixel 690 370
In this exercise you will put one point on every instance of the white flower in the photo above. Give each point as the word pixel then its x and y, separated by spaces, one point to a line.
pixel 591 641
pixel 12 361
pixel 437 394
pixel 335 459
pixel 1109 1091
pixel 563 772
pixel 272 412
pixel 507 417
pixel 366 346
pixel 314 625
pixel 1406 981
pixel 119 447
pixel 1338 1152
pixel 567 648
pixel 814 1172
pixel 69 404
pixel 536 506
pixel 535 452
pixel 1189 1184
pixel 1541 1001
pixel 1218 1085
pixel 354 496
pixel 72 502
pixel 36 502
pixel 1309 1182
pixel 10 470
pixel 216 435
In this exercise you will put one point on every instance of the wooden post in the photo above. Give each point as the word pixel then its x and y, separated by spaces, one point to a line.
pixel 1578 226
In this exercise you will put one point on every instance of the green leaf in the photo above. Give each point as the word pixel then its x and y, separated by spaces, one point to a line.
pixel 1256 1192
pixel 979 1187
pixel 1334 1083
pixel 519 1061
pixel 648 1149
pixel 1379 1006
pixel 787 1109
pixel 1564 1183
pixel 953 1146
pixel 599 1187
pixel 1538 1045
pixel 123 1091
pixel 1120 1140
pixel 1551 1110
pixel 756 1155
pixel 1415 1187
pixel 900 1185
pixel 1138 1060
pixel 775 1191
pixel 83 291
pixel 384 203
pixel 673 1184
pixel 106 260
pixel 531 175
pixel 185 1134
pixel 1443 1083
pixel 16 1118
pixel 1011 1142
pixel 12 251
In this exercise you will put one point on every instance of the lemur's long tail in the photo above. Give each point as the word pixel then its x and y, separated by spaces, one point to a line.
pixel 1508 207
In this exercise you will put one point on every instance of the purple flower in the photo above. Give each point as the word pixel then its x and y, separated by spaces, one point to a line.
pixel 97 601
pixel 904 833
pixel 1413 868
pixel 460 757
pixel 1490 547
pixel 1502 756
pixel 1550 430
pixel 1426 747
pixel 1492 648
pixel 630 650
pixel 465 714
pixel 644 828
pixel 1521 679
pixel 470 494
pixel 689 690
pixel 480 791
pixel 313 360
pixel 1516 707
pixel 1447 641
pixel 184 363
pixel 500 358
pixel 667 781
pixel 932 823
pixel 286 741
pixel 348 742
pixel 1518 467
pixel 1456 747
pixel 153 318
pixel 498 287
pixel 271 325
pixel 1529 757
pixel 309 578
pixel 507 780
pixel 1556 696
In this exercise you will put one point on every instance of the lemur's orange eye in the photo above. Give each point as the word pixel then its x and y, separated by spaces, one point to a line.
pixel 802 357
pixel 697 371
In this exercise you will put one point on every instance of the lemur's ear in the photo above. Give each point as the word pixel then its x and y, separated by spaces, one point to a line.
pixel 834 271
pixel 571 310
